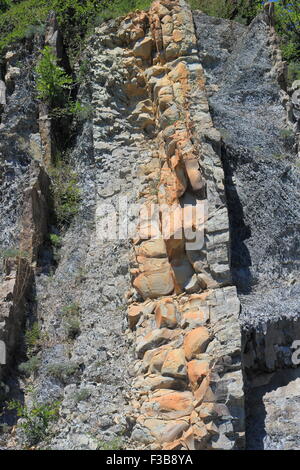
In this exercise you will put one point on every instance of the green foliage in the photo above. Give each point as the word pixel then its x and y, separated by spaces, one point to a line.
pixel 288 26
pixel 33 337
pixel 76 17
pixel 52 81
pixel 13 253
pixel 62 371
pixel 241 10
pixel 81 395
pixel 286 133
pixel 30 367
pixel 55 240
pixel 80 111
pixel 293 72
pixel 65 192
pixel 72 320
pixel 36 419
pixel 4 5
pixel 113 444
pixel 219 8
pixel 16 20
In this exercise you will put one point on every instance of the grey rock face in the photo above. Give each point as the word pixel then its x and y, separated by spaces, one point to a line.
pixel 261 172
pixel 244 76
pixel 274 403
pixel 19 138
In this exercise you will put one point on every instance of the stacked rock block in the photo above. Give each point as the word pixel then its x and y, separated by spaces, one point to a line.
pixel 188 389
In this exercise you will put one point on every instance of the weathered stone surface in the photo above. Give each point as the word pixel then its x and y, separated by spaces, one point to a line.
pixel 143 48
pixel 150 140
pixel 154 339
pixel 155 248
pixel 197 370
pixel 174 364
pixel 196 342
pixel 156 281
pixel 134 314
pixel 166 314
pixel 170 405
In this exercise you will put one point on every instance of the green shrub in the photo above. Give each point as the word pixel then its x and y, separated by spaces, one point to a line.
pixel 76 17
pixel 286 133
pixel 81 112
pixel 288 26
pixel 33 337
pixel 16 20
pixel 62 371
pixel 81 395
pixel 241 10
pixel 65 192
pixel 293 72
pixel 219 8
pixel 72 320
pixel 113 444
pixel 30 367
pixel 52 81
pixel 36 419
pixel 13 253
pixel 55 240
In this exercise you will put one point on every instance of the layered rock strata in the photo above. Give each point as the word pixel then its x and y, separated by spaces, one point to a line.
pixel 189 384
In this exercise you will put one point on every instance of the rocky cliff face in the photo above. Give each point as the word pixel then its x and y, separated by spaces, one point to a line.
pixel 251 107
pixel 140 336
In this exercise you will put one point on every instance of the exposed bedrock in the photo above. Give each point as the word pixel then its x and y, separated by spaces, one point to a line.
pixel 250 106
pixel 192 124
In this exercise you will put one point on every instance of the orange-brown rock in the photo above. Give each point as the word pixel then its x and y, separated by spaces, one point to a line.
pixel 143 48
pixel 134 314
pixel 200 435
pixel 165 314
pixel 204 393
pixel 156 280
pixel 157 382
pixel 174 364
pixel 164 431
pixel 188 439
pixel 154 248
pixel 157 360
pixel 173 431
pixel 194 318
pixel 196 342
pixel 171 405
pixel 175 445
pixel 197 370
pixel 154 339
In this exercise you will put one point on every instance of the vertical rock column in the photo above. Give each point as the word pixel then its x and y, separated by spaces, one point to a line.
pixel 188 390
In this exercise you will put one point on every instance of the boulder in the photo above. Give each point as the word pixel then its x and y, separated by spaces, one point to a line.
pixel 143 48
pixel 196 342
pixel 153 339
pixel 165 314
pixel 156 280
pixel 197 370
pixel 174 364
pixel 171 405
